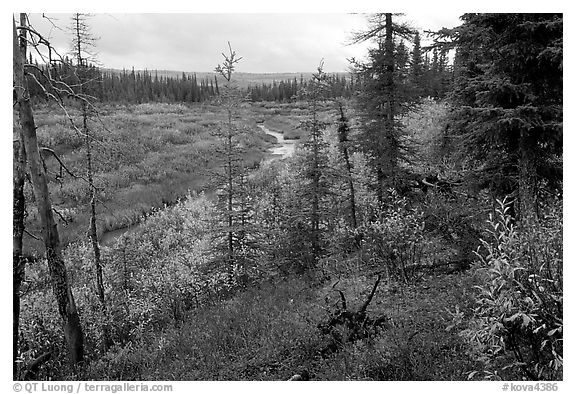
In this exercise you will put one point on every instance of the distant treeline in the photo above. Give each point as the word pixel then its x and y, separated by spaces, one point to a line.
pixel 430 76
pixel 127 86
pixel 291 89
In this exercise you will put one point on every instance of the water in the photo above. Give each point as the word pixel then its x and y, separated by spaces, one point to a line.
pixel 284 148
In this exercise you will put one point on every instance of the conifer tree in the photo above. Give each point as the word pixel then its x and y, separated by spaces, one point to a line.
pixel 508 90
pixel 417 66
pixel 344 145
pixel 234 201
pixel 383 97
pixel 314 161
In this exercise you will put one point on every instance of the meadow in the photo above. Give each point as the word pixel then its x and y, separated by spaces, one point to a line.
pixel 146 157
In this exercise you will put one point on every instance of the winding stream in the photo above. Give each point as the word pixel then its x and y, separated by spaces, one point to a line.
pixel 282 148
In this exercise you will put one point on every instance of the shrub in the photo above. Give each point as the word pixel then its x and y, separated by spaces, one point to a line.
pixel 395 238
pixel 518 324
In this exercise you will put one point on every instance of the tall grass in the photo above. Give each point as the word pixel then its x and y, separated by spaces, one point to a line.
pixel 148 156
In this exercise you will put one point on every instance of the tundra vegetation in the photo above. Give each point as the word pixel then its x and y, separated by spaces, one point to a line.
pixel 414 234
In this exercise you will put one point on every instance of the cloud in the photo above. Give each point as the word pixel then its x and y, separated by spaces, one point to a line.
pixel 194 42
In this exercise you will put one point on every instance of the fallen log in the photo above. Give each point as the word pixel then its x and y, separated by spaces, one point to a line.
pixel 344 326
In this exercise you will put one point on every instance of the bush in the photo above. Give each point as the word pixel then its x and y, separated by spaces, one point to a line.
pixel 395 239
pixel 518 324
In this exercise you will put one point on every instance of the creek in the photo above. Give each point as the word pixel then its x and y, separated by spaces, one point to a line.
pixel 283 148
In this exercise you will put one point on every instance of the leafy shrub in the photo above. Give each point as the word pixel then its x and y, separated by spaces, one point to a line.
pixel 261 334
pixel 425 126
pixel 518 323
pixel 455 222
pixel 394 239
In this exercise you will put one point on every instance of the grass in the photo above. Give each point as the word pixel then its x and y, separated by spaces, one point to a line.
pixel 270 332
pixel 149 155
pixel 287 126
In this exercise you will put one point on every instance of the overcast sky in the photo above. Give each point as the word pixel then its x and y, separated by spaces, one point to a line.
pixel 193 42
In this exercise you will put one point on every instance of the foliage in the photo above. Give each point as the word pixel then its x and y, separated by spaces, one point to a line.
pixel 235 284
pixel 508 102
pixel 426 135
pixel 260 334
pixel 518 320
pixel 269 332
pixel 394 240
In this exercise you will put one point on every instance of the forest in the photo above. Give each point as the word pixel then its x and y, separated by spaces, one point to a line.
pixel 402 221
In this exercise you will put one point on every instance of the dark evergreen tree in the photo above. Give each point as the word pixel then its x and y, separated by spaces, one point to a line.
pixel 508 93
pixel 314 165
pixel 383 96
pixel 417 67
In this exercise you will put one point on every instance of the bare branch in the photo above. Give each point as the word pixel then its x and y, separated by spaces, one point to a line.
pixel 32 235
pixel 343 299
pixel 369 299
pixel 51 21
pixel 62 165
pixel 66 222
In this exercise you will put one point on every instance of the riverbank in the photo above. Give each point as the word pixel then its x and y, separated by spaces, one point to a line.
pixel 147 156
pixel 281 149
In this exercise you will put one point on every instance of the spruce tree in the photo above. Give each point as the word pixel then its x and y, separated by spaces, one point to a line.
pixel 383 97
pixel 417 67
pixel 315 159
pixel 508 90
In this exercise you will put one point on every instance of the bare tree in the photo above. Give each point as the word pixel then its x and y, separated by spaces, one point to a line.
pixel 343 144
pixel 66 305
pixel 82 43
pixel 18 262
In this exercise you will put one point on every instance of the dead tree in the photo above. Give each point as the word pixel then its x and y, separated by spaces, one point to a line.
pixel 66 305
pixel 344 142
pixel 82 41
pixel 344 326
pixel 18 262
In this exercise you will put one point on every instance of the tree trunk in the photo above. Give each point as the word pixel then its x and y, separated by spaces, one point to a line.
pixel 81 40
pixel 380 178
pixel 390 141
pixel 343 139
pixel 18 263
pixel 527 181
pixel 60 286
pixel 107 342
pixel 315 214
pixel 230 188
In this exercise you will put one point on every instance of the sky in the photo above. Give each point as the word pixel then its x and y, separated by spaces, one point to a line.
pixel 267 42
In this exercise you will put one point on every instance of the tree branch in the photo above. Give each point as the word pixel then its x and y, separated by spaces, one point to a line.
pixel 369 299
